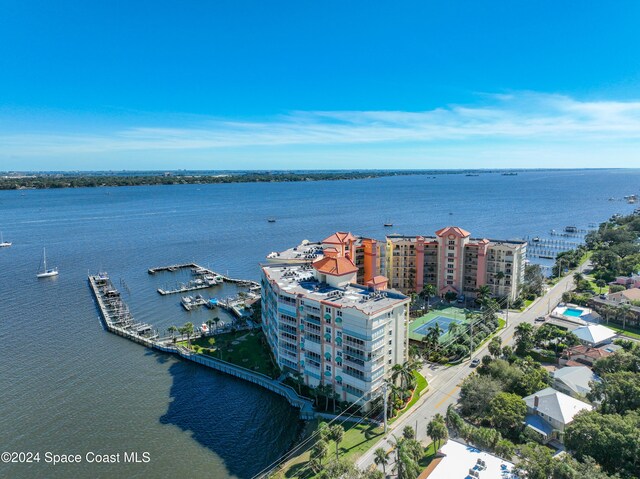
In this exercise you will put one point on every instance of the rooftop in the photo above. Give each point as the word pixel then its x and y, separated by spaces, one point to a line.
pixel 594 334
pixel 556 405
pixel 335 265
pixel 305 251
pixel 459 459
pixel 577 378
pixel 298 279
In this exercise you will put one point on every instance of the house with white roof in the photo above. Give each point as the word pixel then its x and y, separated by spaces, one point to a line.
pixel 457 460
pixel 595 335
pixel 574 380
pixel 550 411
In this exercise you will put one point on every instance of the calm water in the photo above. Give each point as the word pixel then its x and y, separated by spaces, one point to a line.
pixel 67 386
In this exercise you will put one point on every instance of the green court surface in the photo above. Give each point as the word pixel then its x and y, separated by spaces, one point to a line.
pixel 419 327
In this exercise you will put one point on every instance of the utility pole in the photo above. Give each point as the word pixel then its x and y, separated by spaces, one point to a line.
pixel 507 325
pixel 384 395
pixel 471 345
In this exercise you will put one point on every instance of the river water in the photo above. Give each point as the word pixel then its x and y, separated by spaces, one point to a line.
pixel 69 387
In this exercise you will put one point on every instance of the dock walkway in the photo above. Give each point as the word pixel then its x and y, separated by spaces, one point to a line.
pixel 118 320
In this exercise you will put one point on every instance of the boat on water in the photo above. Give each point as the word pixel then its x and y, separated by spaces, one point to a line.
pixel 3 243
pixel 271 220
pixel 512 173
pixel 388 224
pixel 204 329
pixel 46 272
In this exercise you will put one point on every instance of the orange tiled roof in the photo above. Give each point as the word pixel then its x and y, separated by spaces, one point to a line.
pixel 339 237
pixel 454 229
pixel 335 266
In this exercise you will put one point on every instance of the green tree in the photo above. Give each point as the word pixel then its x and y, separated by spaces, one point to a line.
pixel 437 430
pixel 611 439
pixel 600 283
pixel 476 393
pixel 507 412
pixel 336 433
pixel 428 291
pixel 505 449
pixel 381 458
pixel 408 432
pixel 617 392
pixel 173 330
pixel 319 451
pixel 524 338
pixel 536 462
pixel 406 466
pixel 495 346
pixel 450 296
pixel 187 330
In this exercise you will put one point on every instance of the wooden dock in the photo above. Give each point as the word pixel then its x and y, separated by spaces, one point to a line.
pixel 201 271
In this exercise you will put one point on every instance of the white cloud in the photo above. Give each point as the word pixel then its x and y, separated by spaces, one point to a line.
pixel 527 119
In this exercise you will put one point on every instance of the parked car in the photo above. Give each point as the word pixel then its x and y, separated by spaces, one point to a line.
pixel 474 362
pixel 540 319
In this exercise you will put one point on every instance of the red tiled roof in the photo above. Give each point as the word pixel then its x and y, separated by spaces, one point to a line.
pixel 453 229
pixel 335 266
pixel 339 237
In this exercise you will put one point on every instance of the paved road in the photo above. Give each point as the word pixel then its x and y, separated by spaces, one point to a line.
pixel 444 382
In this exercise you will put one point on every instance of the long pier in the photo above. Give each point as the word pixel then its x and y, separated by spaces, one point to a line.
pixel 200 271
pixel 117 319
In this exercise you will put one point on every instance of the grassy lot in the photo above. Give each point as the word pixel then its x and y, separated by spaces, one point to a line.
pixel 243 348
pixel 527 303
pixel 357 439
pixel 631 332
pixel 421 386
pixel 429 454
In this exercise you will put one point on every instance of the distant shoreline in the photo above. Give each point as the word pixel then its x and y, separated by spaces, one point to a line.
pixel 51 180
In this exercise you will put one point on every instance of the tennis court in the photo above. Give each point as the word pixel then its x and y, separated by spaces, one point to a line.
pixel 441 321
pixel 443 318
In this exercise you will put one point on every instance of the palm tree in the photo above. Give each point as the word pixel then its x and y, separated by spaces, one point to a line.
pixel 335 434
pixel 209 323
pixel 403 371
pixel 484 292
pixel 298 379
pixel 601 283
pixel 217 321
pixel 173 330
pixel 187 329
pixel 406 466
pixel 381 458
pixel 408 432
pixel 499 276
pixel 428 291
pixel 577 278
pixel 319 451
pixel 437 430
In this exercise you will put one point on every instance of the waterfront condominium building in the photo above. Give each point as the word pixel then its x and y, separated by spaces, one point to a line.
pixel 330 317
pixel 452 261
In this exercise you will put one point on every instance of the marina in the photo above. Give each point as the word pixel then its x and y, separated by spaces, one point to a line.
pixel 117 319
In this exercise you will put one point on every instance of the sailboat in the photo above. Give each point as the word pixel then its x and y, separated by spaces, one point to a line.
pixel 46 273
pixel 3 243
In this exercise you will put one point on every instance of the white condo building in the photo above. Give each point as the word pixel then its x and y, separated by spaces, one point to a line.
pixel 320 323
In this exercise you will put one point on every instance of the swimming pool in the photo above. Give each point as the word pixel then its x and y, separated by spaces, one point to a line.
pixel 576 313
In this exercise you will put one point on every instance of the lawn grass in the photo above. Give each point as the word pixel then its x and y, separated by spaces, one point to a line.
pixel 429 454
pixel 630 332
pixel 357 439
pixel 527 303
pixel 250 352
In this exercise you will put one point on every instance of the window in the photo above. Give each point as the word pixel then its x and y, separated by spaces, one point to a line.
pixel 449 276
pixel 391 332
pixel 339 313
pixel 327 368
pixel 449 282
pixel 339 334
pixel 339 354
pixel 390 341
pixel 450 271
pixel 451 247
pixel 452 242
pixel 327 330
pixel 450 255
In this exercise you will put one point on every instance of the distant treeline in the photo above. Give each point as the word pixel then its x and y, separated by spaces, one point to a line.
pixel 76 180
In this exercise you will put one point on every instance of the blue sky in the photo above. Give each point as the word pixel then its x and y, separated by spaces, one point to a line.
pixel 307 84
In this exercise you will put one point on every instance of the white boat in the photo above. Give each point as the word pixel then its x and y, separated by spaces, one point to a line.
pixel 3 243
pixel 204 328
pixel 46 273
